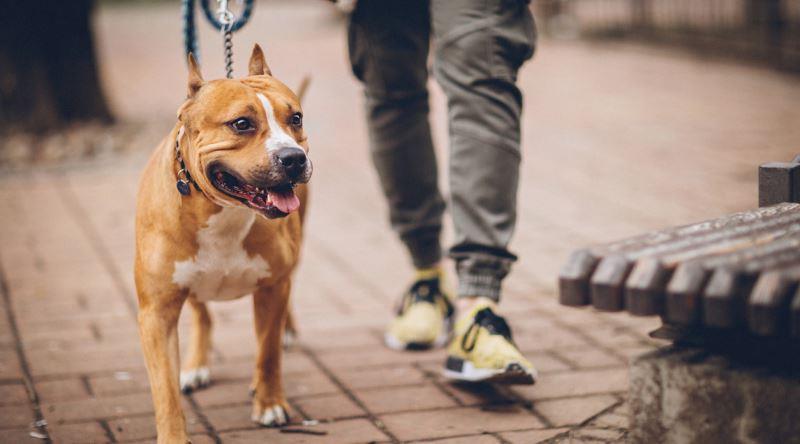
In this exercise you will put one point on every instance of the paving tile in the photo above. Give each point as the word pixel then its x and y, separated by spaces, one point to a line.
pixel 481 394
pixel 293 362
pixel 80 432
pixel 98 408
pixel 573 411
pixel 380 376
pixel 589 357
pixel 632 351
pixel 611 335
pixel 201 438
pixel 51 362
pixel 233 417
pixel 386 400
pixel 232 370
pixel 576 383
pixel 297 362
pixel 144 427
pixel 546 362
pixel 339 432
pixel 19 436
pixel 9 364
pixel 13 393
pixel 15 416
pixel 119 383
pixel 617 419
pixel 552 337
pixel 227 393
pixel 577 317
pixel 325 407
pixel 376 357
pixel 531 436
pixel 454 422
pixel 471 439
pixel 322 319
pixel 304 384
pixel 61 390
pixel 330 340
pixel 597 435
pixel 237 392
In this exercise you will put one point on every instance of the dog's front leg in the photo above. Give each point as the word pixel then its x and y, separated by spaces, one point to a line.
pixel 270 306
pixel 195 373
pixel 158 322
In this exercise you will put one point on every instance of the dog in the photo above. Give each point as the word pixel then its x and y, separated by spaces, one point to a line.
pixel 219 216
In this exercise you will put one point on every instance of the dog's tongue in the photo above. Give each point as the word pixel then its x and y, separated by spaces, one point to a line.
pixel 286 202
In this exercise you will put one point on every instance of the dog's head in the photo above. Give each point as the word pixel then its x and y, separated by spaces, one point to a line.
pixel 243 141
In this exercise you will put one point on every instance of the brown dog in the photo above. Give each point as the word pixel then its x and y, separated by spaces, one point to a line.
pixel 233 226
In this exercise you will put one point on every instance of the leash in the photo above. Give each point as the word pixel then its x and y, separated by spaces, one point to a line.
pixel 222 19
pixel 226 22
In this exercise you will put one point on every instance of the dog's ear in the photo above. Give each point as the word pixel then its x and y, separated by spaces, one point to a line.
pixel 258 66
pixel 301 90
pixel 195 78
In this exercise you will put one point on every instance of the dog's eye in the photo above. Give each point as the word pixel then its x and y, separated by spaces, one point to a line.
pixel 242 125
pixel 297 120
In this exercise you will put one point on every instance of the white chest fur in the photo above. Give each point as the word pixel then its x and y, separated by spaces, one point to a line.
pixel 222 269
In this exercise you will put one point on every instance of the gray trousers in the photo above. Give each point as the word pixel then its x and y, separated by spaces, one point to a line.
pixel 479 46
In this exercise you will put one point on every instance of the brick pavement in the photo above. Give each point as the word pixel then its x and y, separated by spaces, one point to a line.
pixel 608 129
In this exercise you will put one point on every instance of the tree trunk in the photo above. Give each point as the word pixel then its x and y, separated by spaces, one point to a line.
pixel 48 69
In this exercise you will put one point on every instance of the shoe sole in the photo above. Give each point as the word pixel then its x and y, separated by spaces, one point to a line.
pixel 396 344
pixel 457 369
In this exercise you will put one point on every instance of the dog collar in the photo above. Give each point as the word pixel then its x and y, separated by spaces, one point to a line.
pixel 184 177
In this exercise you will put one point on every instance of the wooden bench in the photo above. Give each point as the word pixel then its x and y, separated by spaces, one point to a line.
pixel 738 272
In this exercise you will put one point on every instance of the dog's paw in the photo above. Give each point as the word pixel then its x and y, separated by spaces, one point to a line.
pixel 194 379
pixel 272 416
pixel 289 339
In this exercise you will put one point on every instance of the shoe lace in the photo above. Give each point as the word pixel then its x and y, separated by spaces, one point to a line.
pixel 485 318
pixel 425 290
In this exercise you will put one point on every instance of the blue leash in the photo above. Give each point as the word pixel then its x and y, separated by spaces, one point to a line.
pixel 190 34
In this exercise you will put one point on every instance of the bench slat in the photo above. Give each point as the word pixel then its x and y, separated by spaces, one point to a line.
pixel 575 276
pixel 684 294
pixel 769 304
pixel 649 279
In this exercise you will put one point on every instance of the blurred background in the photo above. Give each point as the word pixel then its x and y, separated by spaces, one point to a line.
pixel 639 114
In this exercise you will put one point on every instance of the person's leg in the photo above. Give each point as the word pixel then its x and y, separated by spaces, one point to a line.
pixel 388 42
pixel 480 45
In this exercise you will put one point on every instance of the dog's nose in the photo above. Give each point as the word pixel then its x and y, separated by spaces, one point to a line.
pixel 293 160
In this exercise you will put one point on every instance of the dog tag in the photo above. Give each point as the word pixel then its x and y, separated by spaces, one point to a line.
pixel 183 187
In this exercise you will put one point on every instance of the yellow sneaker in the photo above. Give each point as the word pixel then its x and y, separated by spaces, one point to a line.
pixel 424 318
pixel 482 350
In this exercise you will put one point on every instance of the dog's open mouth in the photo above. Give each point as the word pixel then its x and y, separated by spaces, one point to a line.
pixel 277 201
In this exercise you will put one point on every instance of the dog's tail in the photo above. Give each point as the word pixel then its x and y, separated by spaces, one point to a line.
pixel 301 90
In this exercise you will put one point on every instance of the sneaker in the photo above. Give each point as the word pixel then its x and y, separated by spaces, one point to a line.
pixel 424 318
pixel 483 350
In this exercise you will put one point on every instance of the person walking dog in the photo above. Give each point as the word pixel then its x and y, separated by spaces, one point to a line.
pixel 478 48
